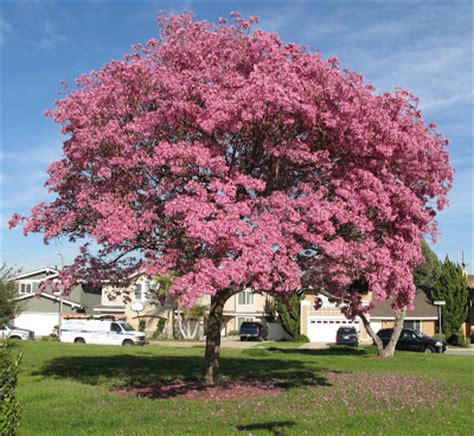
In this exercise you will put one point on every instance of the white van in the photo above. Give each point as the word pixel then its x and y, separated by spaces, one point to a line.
pixel 93 331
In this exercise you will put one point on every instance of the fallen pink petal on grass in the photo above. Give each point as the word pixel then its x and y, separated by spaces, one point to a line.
pixel 193 390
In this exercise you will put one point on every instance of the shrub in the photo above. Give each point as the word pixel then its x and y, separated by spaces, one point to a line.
pixel 141 325
pixel 51 337
pixel 160 327
pixel 289 314
pixel 457 339
pixel 439 336
pixel 9 405
pixel 233 333
pixel 301 338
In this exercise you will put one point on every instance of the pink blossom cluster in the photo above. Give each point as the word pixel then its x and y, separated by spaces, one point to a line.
pixel 237 160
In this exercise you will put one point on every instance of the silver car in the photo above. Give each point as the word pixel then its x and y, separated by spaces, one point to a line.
pixel 11 332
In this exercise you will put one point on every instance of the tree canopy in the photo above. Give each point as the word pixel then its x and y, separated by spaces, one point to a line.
pixel 426 274
pixel 240 160
pixel 9 306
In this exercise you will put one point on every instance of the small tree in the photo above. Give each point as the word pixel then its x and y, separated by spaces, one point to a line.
pixel 9 306
pixel 289 314
pixel 452 287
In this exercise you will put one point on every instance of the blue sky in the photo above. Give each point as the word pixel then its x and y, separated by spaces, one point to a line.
pixel 425 47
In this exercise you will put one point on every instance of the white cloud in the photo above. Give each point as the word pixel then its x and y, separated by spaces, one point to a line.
pixel 49 36
pixel 6 30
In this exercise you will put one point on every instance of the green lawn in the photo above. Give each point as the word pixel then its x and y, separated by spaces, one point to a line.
pixel 66 389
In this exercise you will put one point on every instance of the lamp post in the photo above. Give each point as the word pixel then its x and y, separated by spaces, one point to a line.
pixel 439 304
pixel 60 314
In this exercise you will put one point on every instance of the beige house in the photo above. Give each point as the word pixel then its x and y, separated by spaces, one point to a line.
pixel 246 306
pixel 321 325
pixel 119 302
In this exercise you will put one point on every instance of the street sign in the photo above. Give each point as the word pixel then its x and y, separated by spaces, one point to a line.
pixel 439 303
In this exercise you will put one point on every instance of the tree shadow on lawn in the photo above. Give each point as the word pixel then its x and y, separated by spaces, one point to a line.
pixel 331 351
pixel 140 371
pixel 275 427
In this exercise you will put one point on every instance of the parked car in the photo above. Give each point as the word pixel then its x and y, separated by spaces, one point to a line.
pixel 414 340
pixel 347 336
pixel 253 330
pixel 93 331
pixel 10 331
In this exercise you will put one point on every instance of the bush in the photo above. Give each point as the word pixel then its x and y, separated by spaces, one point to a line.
pixel 457 339
pixel 51 337
pixel 9 405
pixel 160 327
pixel 439 336
pixel 233 333
pixel 301 338
pixel 289 313
pixel 141 325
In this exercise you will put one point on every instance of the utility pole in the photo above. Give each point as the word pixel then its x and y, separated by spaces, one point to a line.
pixel 439 304
pixel 60 314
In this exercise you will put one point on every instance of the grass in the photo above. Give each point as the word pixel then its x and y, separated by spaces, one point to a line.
pixel 280 344
pixel 66 389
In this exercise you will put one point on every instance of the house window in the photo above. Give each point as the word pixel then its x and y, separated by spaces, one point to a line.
pixel 412 324
pixel 26 288
pixel 242 319
pixel 138 291
pixel 144 291
pixel 246 298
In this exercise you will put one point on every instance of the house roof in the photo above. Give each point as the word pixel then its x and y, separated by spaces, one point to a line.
pixel 109 309
pixel 48 271
pixel 423 308
pixel 50 297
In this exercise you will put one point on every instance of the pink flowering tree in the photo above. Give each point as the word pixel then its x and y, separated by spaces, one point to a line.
pixel 237 160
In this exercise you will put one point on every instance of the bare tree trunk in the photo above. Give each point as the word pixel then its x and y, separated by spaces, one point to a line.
pixel 213 337
pixel 377 341
pixel 389 350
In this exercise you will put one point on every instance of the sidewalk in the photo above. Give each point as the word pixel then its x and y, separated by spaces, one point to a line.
pixel 226 342
pixel 313 346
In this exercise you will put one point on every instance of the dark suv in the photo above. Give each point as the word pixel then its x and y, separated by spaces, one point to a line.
pixel 347 336
pixel 414 340
pixel 253 330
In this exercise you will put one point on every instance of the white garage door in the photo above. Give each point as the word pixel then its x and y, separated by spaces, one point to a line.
pixel 324 330
pixel 41 323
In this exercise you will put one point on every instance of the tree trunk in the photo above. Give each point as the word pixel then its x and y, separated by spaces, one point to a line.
pixel 389 350
pixel 213 337
pixel 377 341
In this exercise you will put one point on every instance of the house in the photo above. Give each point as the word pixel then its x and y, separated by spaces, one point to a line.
pixel 423 317
pixel 321 325
pixel 161 313
pixel 247 306
pixel 119 301
pixel 40 310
